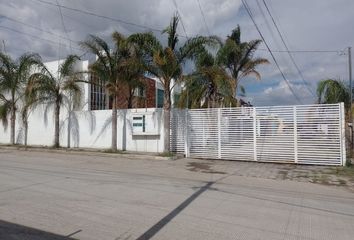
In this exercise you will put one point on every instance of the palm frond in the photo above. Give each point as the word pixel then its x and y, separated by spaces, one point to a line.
pixel 100 48
pixel 67 67
pixel 333 91
pixel 171 30
pixel 193 46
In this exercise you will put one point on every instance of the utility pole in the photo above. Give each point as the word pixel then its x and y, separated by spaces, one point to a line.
pixel 351 95
pixel 350 75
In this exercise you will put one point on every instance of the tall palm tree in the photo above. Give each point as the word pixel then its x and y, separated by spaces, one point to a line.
pixel 166 62
pixel 333 91
pixel 238 58
pixel 208 86
pixel 115 66
pixel 13 78
pixel 54 90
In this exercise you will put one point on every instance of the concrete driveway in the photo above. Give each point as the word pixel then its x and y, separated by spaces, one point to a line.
pixel 95 196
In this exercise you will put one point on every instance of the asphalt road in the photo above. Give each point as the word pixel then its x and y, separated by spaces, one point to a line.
pixel 87 196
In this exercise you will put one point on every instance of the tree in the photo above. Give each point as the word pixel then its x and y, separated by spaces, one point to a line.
pixel 333 91
pixel 54 91
pixel 13 78
pixel 116 66
pixel 29 102
pixel 238 58
pixel 209 85
pixel 166 62
pixel 132 71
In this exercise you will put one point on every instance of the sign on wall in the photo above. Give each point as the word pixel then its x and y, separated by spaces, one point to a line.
pixel 144 124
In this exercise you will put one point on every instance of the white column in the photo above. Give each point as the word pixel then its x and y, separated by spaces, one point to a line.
pixel 186 135
pixel 295 135
pixel 342 133
pixel 254 133
pixel 219 133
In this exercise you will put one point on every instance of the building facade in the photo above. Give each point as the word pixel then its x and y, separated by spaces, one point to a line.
pixel 94 96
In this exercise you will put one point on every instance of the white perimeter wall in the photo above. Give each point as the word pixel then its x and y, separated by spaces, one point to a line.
pixel 90 129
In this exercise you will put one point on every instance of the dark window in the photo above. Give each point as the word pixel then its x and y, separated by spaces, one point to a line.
pixel 160 97
pixel 176 98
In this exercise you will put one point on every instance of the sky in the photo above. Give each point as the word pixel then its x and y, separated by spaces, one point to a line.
pixel 324 25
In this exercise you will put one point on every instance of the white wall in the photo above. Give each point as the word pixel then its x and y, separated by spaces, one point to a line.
pixel 91 129
pixel 80 66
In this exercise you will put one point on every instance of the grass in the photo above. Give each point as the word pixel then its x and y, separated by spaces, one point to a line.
pixel 112 151
pixel 344 172
pixel 166 154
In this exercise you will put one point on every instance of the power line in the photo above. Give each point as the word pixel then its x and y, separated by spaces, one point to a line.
pixel 304 51
pixel 288 51
pixel 203 15
pixel 62 22
pixel 34 36
pixel 37 28
pixel 275 61
pixel 103 17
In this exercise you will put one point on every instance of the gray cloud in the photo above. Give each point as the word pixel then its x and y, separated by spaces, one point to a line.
pixel 317 24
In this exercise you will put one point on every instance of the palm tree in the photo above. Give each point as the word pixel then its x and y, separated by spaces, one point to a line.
pixel 132 71
pixel 333 91
pixel 166 63
pixel 13 78
pixel 53 90
pixel 209 85
pixel 29 102
pixel 115 66
pixel 238 58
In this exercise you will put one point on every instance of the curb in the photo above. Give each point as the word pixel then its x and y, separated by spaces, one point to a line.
pixel 93 152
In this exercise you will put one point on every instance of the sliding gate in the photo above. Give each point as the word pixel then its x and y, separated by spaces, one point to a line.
pixel 305 134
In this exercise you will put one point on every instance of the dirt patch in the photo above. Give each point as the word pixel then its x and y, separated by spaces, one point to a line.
pixel 202 167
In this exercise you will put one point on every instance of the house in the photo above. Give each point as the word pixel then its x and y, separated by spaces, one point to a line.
pixel 94 96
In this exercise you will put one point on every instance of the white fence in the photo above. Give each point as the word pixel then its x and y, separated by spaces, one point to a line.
pixel 92 129
pixel 304 134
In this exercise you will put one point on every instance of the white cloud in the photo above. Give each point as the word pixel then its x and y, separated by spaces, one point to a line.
pixel 281 94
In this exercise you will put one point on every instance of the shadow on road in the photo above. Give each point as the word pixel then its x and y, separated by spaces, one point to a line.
pixel 12 231
pixel 160 224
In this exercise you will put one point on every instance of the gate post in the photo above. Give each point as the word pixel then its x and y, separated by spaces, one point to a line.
pixel 342 134
pixel 219 133
pixel 295 135
pixel 186 135
pixel 254 133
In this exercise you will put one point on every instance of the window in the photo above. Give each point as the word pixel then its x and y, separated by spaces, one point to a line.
pixel 159 99
pixel 176 98
pixel 140 92
pixel 98 95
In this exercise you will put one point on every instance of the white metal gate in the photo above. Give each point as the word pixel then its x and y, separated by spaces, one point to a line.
pixel 305 134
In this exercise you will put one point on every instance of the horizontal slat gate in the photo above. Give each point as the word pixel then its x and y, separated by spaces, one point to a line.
pixel 306 134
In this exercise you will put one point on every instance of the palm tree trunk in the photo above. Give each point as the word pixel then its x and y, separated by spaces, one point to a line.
pixel 114 124
pixel 130 98
pixel 13 124
pixel 166 119
pixel 130 101
pixel 56 124
pixel 69 121
pixel 26 133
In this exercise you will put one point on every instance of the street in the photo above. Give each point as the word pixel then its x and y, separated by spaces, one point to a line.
pixel 48 195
